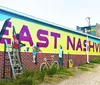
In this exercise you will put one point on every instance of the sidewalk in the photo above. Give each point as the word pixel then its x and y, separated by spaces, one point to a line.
pixel 86 78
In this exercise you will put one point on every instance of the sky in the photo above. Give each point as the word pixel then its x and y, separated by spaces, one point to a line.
pixel 68 13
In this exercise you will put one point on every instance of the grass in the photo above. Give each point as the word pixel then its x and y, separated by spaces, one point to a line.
pixel 27 78
pixel 86 67
pixel 52 75
pixel 61 74
pixel 95 60
pixel 65 71
pixel 51 71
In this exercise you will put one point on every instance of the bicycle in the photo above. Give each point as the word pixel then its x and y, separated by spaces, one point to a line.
pixel 46 65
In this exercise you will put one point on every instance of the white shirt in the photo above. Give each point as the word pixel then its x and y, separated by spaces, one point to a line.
pixel 60 53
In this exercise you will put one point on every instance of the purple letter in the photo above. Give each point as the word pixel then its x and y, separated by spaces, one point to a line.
pixel 70 42
pixel 84 43
pixel 41 34
pixel 27 37
pixel 55 35
pixel 97 47
pixel 6 32
pixel 79 45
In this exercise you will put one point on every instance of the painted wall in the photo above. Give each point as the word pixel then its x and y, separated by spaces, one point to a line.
pixel 49 37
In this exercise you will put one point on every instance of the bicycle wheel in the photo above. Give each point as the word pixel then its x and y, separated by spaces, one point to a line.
pixel 56 64
pixel 43 67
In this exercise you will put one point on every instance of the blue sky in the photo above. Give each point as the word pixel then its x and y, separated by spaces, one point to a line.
pixel 69 13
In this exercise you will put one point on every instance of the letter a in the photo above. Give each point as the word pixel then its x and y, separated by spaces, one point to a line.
pixel 25 35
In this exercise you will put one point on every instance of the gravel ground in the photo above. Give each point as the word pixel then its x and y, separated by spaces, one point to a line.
pixel 85 78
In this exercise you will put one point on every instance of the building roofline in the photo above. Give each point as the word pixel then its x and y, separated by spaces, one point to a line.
pixel 87 26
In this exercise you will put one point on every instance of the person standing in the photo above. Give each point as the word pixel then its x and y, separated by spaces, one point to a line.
pixel 61 57
pixel 34 53
pixel 36 49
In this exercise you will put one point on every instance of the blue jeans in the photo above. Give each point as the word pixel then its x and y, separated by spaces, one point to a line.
pixel 61 62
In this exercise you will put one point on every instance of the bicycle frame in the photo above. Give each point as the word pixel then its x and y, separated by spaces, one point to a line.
pixel 48 65
pixel 47 62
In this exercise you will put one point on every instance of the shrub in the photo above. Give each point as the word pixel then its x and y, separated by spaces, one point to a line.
pixel 42 75
pixel 2 82
pixel 25 81
pixel 51 71
pixel 29 78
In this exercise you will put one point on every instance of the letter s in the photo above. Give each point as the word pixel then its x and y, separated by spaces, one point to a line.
pixel 41 35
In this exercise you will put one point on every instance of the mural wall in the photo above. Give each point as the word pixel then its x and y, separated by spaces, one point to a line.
pixel 47 36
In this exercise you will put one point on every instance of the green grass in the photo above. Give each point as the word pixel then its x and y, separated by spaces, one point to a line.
pixel 51 71
pixel 66 71
pixel 52 75
pixel 27 78
pixel 95 60
pixel 86 67
pixel 59 75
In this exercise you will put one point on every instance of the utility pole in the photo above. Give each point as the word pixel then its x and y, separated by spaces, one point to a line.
pixel 87 42
pixel 88 21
